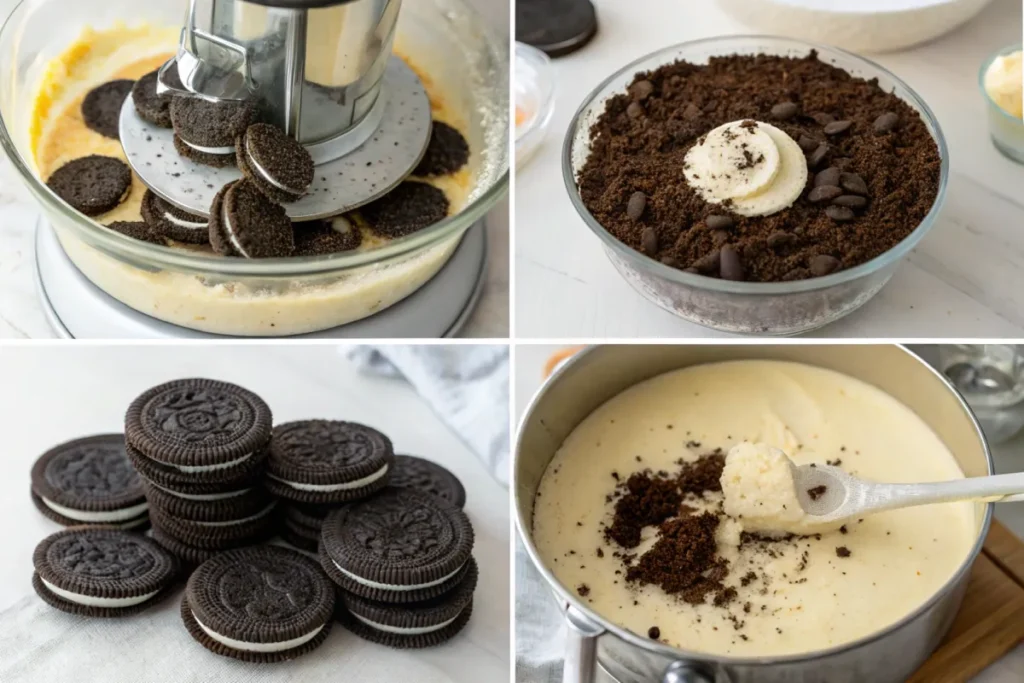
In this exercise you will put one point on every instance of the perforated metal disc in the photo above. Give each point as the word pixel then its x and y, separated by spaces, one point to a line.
pixel 360 176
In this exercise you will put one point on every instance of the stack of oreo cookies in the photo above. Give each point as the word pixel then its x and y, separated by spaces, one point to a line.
pixel 200 447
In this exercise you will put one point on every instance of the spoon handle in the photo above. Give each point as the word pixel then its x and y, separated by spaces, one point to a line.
pixel 1004 487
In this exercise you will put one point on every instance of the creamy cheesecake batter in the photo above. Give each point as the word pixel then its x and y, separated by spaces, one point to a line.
pixel 786 596
pixel 286 305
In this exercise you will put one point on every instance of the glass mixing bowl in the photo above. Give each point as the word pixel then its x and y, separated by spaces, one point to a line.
pixel 771 308
pixel 445 39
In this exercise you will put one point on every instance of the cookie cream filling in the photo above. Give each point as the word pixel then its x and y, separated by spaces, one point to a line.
pixel 191 469
pixel 391 587
pixel 755 167
pixel 355 484
pixel 203 496
pixel 228 149
pixel 265 175
pixel 192 225
pixel 257 647
pixel 230 231
pixel 405 631
pixel 122 515
pixel 262 513
pixel 93 601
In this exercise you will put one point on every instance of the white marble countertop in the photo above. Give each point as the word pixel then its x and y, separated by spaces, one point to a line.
pixel 1009 457
pixel 52 394
pixel 21 312
pixel 963 280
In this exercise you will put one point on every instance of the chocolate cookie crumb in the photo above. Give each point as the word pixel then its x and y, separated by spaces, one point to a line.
pixel 650 500
pixel 583 589
pixel 842 551
pixel 704 474
pixel 817 492
pixel 654 633
pixel 843 529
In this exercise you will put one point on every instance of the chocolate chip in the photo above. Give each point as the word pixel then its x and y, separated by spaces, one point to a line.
pixel 886 122
pixel 779 239
pixel 634 110
pixel 852 182
pixel 730 268
pixel 649 239
pixel 709 262
pixel 641 90
pixel 823 264
pixel 637 204
pixel 784 111
pixel 837 127
pixel 830 176
pixel 807 143
pixel 823 193
pixel 654 632
pixel 670 261
pixel 851 200
pixel 823 119
pixel 718 222
pixel 840 214
pixel 818 155
pixel 719 237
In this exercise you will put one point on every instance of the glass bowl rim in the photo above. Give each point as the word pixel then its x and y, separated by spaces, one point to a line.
pixel 168 258
pixel 677 276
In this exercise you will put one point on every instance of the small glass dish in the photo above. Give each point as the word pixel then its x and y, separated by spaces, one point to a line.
pixel 534 100
pixel 762 308
pixel 1006 130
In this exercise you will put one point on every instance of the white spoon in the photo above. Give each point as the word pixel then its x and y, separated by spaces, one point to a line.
pixel 828 494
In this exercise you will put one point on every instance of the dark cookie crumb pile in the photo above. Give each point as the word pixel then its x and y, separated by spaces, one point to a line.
pixel 446 153
pixel 873 168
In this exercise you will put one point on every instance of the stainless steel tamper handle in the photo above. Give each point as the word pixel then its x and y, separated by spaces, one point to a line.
pixel 580 647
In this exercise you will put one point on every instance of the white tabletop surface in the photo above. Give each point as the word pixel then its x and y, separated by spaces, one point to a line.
pixel 54 393
pixel 21 313
pixel 963 280
pixel 529 371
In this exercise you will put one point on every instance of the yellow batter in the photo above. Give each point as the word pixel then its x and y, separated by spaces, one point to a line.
pixel 806 596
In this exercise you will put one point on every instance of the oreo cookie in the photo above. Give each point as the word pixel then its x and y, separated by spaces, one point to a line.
pixel 90 481
pixel 205 131
pixel 155 109
pixel 168 220
pixel 137 230
pixel 276 164
pixel 304 538
pixel 243 222
pixel 219 534
pixel 93 185
pixel 244 474
pixel 311 516
pixel 446 153
pixel 189 556
pixel 558 27
pixel 102 572
pixel 417 625
pixel 101 108
pixel 208 507
pixel 323 237
pixel 327 461
pixel 425 475
pixel 399 546
pixel 198 427
pixel 409 207
pixel 259 604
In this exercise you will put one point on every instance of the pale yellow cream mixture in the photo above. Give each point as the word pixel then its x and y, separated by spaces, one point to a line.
pixel 808 594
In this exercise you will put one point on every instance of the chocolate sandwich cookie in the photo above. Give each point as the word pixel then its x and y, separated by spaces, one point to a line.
pixel 168 220
pixel 198 427
pixel 219 534
pixel 102 572
pixel 155 109
pixel 417 625
pixel 205 131
pixel 259 604
pixel 399 546
pixel 243 222
pixel 90 481
pixel 101 108
pixel 93 185
pixel 328 236
pixel 241 475
pixel 327 461
pixel 558 27
pixel 446 153
pixel 277 165
pixel 137 230
pixel 409 207
pixel 425 475
pixel 312 516
pixel 189 556
pixel 304 538
pixel 208 507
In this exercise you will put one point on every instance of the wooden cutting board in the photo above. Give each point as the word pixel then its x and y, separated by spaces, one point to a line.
pixel 991 621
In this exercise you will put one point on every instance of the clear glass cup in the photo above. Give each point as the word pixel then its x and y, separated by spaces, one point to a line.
pixel 765 308
pixel 534 100
pixel 1006 130
pixel 991 379
pixel 447 39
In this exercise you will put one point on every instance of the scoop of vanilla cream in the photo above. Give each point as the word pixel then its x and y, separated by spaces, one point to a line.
pixel 1004 83
pixel 760 494
pixel 755 166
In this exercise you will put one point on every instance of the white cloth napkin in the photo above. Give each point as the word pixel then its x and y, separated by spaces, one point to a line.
pixel 466 385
